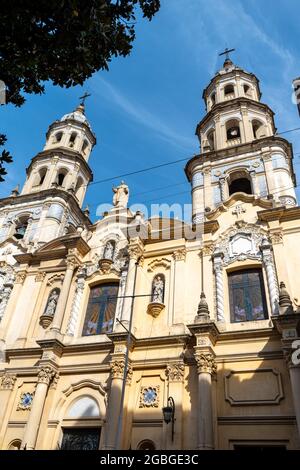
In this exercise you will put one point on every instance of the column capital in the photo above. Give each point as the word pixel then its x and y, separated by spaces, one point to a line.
pixel 175 372
pixel 135 248
pixel 179 255
pixel 46 375
pixel 20 277
pixel 206 363
pixel 8 381
pixel 117 369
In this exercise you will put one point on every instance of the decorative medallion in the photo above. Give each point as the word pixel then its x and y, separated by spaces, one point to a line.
pixel 25 402
pixel 149 397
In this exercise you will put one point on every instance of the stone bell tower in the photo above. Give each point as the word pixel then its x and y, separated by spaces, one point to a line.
pixel 50 202
pixel 240 151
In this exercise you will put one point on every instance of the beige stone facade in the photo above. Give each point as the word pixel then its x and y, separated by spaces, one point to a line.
pixel 206 321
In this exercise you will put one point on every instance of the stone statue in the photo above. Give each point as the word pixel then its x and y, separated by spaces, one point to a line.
pixel 109 250
pixel 120 199
pixel 158 288
pixel 52 303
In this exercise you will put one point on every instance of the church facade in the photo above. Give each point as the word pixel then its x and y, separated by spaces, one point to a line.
pixel 114 335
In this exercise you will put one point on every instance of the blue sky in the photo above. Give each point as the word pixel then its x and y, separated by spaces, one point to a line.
pixel 144 111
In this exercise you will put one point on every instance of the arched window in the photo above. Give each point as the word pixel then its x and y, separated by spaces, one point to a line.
pixel 213 98
pixel 247 295
pixel 233 129
pixel 146 444
pixel 229 91
pixel 158 289
pixel 15 445
pixel 42 175
pixel 101 309
pixel 84 146
pixel 61 177
pixel 247 90
pixel 109 250
pixel 258 129
pixel 57 137
pixel 52 303
pixel 211 139
pixel 21 227
pixel 239 182
pixel 72 139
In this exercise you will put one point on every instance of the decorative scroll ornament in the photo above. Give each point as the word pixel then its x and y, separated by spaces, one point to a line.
pixel 149 397
pixel 8 381
pixel 206 363
pixel 25 402
pixel 175 372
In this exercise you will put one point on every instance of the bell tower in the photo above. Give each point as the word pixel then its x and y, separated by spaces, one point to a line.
pixel 239 148
pixel 50 202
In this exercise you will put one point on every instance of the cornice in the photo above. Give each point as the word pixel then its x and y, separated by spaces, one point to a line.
pixel 232 73
pixel 232 104
pixel 45 194
pixel 73 155
pixel 282 214
pixel 257 145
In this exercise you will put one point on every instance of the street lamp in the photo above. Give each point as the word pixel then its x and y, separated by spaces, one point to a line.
pixel 169 414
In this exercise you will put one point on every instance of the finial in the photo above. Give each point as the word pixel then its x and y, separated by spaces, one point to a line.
pixel 15 191
pixel 226 52
pixel 83 99
pixel 203 311
pixel 285 303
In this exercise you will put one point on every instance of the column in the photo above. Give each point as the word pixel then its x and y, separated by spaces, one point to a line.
pixel 268 261
pixel 175 376
pixel 207 188
pixel 114 403
pixel 135 250
pixel 206 368
pixel 63 298
pixel 73 319
pixel 218 271
pixel 295 384
pixel 12 293
pixel 7 385
pixel 45 376
pixel 267 158
pixel 179 281
pixel 255 187
pixel 222 182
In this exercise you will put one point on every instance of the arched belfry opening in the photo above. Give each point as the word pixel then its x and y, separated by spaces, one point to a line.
pixel 239 182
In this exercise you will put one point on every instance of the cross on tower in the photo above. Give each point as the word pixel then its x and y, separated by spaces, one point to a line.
pixel 84 97
pixel 227 51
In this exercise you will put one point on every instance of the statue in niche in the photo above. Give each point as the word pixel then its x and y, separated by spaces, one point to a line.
pixel 109 250
pixel 121 195
pixel 158 289
pixel 52 303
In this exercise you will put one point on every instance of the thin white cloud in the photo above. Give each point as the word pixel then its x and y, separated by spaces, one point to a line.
pixel 138 113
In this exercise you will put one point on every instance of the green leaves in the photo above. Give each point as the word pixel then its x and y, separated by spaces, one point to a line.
pixel 5 157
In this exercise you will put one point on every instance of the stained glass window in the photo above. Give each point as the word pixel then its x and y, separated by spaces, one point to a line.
pixel 80 439
pixel 247 296
pixel 101 309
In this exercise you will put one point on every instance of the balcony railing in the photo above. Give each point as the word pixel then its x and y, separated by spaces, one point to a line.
pixel 233 142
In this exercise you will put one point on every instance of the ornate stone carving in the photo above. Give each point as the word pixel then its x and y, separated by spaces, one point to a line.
pixel 117 369
pixel 8 381
pixel 40 276
pixel 268 260
pixel 25 401
pixel 179 255
pixel 208 250
pixel 47 317
pixel 46 375
pixel 218 270
pixel 276 238
pixel 158 263
pixel 129 374
pixel 155 308
pixel 206 363
pixel 149 397
pixel 135 251
pixel 121 195
pixel 20 277
pixel 55 278
pixel 105 265
pixel 175 372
